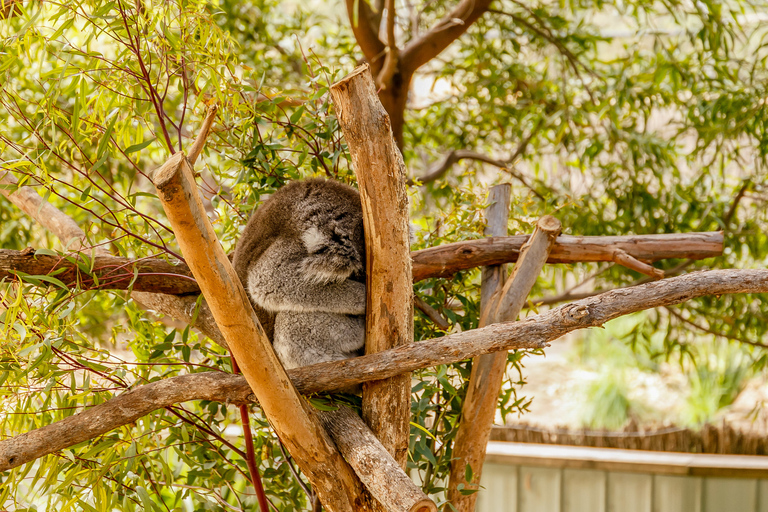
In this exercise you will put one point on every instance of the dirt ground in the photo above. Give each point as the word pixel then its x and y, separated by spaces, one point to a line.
pixel 557 388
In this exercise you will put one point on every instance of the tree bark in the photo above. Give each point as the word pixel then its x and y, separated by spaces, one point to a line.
pixel 445 260
pixel 533 332
pixel 293 420
pixel 422 49
pixel 102 272
pixel 479 409
pixel 121 410
pixel 380 473
pixel 380 173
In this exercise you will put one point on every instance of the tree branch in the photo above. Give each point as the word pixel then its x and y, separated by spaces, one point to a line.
pixel 625 260
pixel 533 332
pixel 63 227
pixel 115 273
pixel 101 272
pixel 121 410
pixel 439 169
pixel 482 398
pixel 376 468
pixel 446 260
pixel 205 130
pixel 384 77
pixel 488 370
pixel 431 313
pixel 421 50
pixel 365 26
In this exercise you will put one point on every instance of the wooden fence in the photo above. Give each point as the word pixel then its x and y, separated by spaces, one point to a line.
pixel 521 477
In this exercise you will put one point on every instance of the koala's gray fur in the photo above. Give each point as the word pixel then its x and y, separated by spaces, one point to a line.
pixel 301 259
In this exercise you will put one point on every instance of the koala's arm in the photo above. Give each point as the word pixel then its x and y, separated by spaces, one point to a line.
pixel 278 281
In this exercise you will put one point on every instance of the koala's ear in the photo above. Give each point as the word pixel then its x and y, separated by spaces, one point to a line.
pixel 313 239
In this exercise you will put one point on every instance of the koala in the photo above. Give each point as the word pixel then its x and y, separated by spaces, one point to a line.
pixel 301 259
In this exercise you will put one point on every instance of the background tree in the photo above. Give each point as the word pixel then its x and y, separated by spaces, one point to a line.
pixel 617 118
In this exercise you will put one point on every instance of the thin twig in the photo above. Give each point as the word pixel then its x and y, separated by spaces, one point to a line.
pixel 711 331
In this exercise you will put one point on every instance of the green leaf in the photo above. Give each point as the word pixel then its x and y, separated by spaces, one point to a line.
pixel 139 147
pixel 105 139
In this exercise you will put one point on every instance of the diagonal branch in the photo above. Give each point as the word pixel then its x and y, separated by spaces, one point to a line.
pixel 431 313
pixel 488 370
pixel 205 130
pixel 61 225
pixel 423 49
pixel 533 332
pixel 294 422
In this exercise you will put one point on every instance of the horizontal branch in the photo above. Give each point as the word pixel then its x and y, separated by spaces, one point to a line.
pixel 103 272
pixel 445 260
pixel 532 332
pixel 442 261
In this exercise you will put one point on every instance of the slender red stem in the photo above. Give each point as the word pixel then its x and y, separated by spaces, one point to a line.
pixel 250 458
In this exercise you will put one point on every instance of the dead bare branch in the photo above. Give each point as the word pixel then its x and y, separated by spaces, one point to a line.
pixel 295 424
pixel 479 409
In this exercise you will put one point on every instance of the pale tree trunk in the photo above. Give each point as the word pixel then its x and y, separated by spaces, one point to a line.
pixel 380 173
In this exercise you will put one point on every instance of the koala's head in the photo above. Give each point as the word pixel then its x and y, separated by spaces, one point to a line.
pixel 331 230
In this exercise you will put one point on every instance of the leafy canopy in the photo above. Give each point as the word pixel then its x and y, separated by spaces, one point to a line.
pixel 627 117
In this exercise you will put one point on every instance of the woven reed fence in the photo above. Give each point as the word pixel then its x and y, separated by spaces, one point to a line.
pixel 708 439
